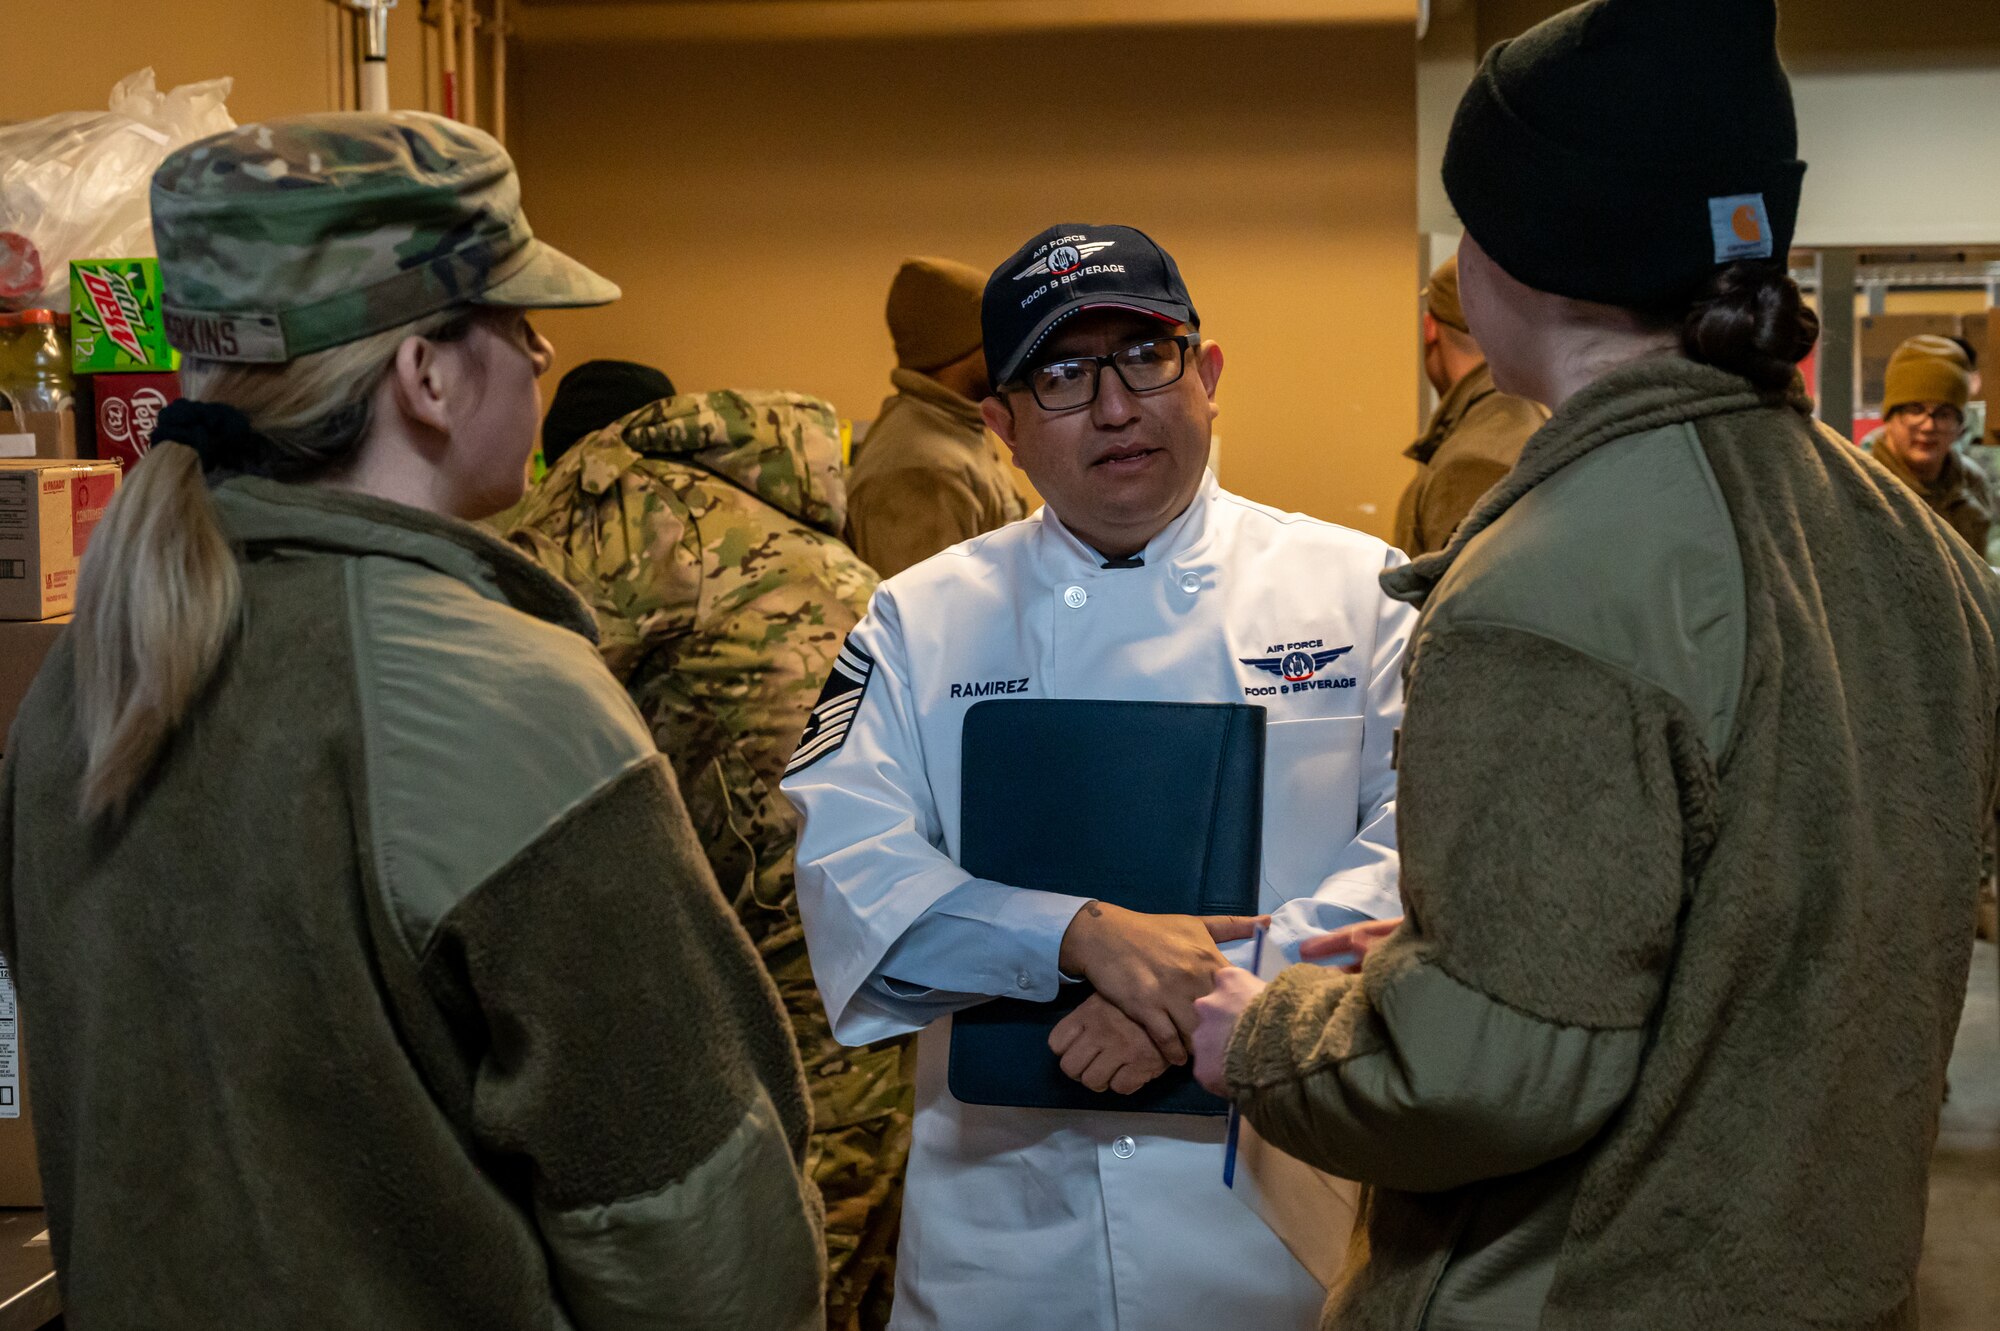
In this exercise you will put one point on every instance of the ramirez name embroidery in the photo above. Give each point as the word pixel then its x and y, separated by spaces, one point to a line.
pixel 989 688
pixel 833 715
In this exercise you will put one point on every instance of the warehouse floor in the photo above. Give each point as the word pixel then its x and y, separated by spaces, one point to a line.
pixel 1959 1284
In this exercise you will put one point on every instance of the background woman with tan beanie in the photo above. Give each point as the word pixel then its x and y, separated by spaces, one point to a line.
pixel 1696 765
pixel 1924 399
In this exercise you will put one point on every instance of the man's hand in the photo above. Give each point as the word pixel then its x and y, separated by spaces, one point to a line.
pixel 1105 1049
pixel 1219 1012
pixel 1151 967
pixel 1351 944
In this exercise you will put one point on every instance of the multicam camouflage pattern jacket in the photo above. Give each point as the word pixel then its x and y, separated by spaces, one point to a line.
pixel 702 532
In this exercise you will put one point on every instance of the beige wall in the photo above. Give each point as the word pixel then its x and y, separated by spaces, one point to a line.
pixel 1811 30
pixel 1898 119
pixel 64 55
pixel 754 199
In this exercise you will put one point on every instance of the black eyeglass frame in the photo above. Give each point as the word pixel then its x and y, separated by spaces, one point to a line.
pixel 1185 341
pixel 1911 411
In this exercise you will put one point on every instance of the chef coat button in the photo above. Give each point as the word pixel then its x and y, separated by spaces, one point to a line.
pixel 1190 583
pixel 1075 597
pixel 1023 980
pixel 1124 1147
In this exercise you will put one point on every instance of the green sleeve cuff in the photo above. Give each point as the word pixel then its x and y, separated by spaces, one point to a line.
pixel 1409 1079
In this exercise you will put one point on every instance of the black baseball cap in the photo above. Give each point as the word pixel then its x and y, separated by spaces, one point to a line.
pixel 1068 268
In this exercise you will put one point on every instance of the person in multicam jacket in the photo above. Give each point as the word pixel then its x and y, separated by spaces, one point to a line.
pixel 701 530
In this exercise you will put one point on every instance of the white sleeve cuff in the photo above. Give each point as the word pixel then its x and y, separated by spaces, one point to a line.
pixel 981 940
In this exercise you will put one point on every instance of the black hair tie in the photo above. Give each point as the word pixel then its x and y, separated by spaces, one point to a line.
pixel 221 436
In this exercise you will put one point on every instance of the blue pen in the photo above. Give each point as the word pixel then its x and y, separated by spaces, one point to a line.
pixel 1235 1116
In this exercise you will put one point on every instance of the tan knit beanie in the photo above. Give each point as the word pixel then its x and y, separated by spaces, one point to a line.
pixel 1441 296
pixel 1927 369
pixel 934 312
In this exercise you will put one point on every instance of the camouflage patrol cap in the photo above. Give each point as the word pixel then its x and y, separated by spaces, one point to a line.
pixel 291 236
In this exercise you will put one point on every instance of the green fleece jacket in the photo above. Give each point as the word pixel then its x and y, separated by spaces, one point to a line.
pixel 1698 756
pixel 402 997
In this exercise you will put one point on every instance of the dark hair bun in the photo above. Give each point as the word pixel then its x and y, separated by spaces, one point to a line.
pixel 1752 320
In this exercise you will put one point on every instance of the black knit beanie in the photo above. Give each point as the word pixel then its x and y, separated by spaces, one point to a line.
pixel 1624 150
pixel 595 394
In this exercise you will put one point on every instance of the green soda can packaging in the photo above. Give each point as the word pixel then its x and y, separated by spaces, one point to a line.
pixel 115 324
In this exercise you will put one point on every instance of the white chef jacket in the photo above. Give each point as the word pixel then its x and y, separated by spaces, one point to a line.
pixel 1087 1221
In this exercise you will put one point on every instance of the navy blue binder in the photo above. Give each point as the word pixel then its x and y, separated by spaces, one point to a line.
pixel 1155 807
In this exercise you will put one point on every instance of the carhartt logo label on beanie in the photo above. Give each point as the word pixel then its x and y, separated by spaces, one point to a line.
pixel 1741 226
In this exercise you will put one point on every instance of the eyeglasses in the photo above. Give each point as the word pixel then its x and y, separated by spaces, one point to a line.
pixel 1066 385
pixel 1948 419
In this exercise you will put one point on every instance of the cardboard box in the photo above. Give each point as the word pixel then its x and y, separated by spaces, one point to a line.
pixel 23 646
pixel 1880 334
pixel 1977 329
pixel 115 325
pixel 1990 374
pixel 128 406
pixel 48 509
pixel 38 434
pixel 20 1180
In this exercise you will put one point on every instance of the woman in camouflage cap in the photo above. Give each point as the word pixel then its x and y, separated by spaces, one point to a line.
pixel 377 978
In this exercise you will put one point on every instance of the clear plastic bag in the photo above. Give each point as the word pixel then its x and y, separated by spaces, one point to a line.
pixel 76 185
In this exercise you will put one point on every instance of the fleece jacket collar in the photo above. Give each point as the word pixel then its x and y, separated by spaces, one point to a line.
pixel 1949 483
pixel 1648 394
pixel 922 388
pixel 1471 389
pixel 263 516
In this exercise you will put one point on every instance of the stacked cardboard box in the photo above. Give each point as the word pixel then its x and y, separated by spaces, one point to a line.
pixel 1982 330
pixel 23 646
pixel 48 509
pixel 20 1180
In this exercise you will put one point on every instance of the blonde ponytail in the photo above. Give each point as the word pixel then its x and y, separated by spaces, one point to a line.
pixel 159 593
pixel 156 601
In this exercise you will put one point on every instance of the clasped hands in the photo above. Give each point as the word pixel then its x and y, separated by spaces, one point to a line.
pixel 1148 971
pixel 1156 1002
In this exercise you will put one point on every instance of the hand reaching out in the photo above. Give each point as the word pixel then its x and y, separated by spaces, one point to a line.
pixel 1220 1010
pixel 1355 940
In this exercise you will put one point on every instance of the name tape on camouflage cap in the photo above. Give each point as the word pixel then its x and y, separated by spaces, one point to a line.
pixel 253 338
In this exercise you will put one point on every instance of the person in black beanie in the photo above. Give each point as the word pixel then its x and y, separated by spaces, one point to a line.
pixel 1698 752
pixel 593 395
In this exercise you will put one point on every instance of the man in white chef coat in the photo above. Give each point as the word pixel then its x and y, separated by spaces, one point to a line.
pixel 1142 579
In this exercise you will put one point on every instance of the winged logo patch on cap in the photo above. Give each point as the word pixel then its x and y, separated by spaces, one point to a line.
pixel 1064 259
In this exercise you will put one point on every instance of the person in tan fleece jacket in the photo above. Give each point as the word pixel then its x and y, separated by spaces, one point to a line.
pixel 1475 434
pixel 927 476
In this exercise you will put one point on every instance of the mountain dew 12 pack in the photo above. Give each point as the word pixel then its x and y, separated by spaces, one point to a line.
pixel 115 325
